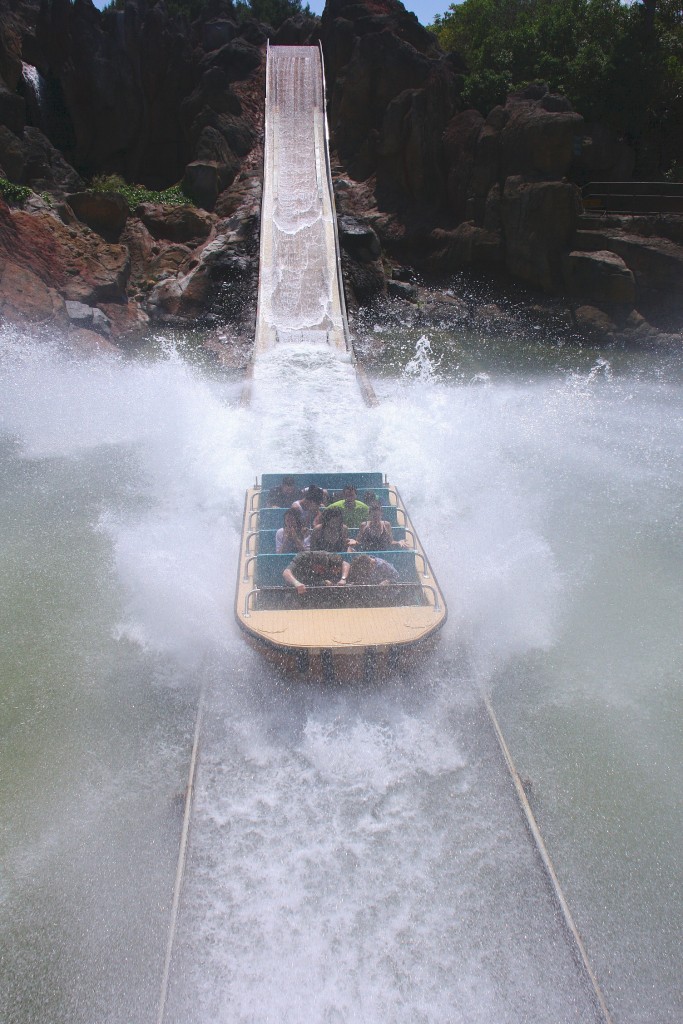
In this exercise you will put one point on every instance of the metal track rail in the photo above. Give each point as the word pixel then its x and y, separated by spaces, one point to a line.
pixel 182 857
pixel 549 867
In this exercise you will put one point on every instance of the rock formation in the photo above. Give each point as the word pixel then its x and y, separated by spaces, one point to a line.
pixel 419 181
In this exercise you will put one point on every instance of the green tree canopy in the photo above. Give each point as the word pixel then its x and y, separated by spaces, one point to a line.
pixel 619 63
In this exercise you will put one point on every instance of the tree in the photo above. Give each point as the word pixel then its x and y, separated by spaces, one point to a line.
pixel 618 63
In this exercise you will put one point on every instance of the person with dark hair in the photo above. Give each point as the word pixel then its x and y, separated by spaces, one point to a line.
pixel 316 569
pixel 375 534
pixel 353 511
pixel 368 571
pixel 310 505
pixel 331 534
pixel 284 494
pixel 291 537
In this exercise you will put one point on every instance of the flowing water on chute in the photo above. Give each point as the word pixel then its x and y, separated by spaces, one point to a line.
pixel 356 852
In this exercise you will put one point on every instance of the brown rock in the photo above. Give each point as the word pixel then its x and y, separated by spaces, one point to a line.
pixel 460 144
pixel 74 261
pixel 595 323
pixel 89 342
pixel 104 212
pixel 391 94
pixel 12 109
pixel 467 245
pixel 536 141
pixel 657 263
pixel 600 276
pixel 364 281
pixel 128 319
pixel 141 247
pixel 539 219
pixel 175 223
pixel 486 166
pixel 25 298
pixel 169 260
pixel 12 155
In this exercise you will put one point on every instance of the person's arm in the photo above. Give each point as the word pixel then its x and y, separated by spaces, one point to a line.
pixel 290 578
pixel 279 540
pixel 344 574
pixel 390 574
pixel 389 532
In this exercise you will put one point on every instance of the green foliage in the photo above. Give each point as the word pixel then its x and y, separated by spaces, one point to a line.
pixel 135 194
pixel 12 193
pixel 272 12
pixel 618 63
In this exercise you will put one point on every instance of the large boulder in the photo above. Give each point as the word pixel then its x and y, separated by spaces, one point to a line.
pixel 175 223
pixel 538 141
pixel 656 263
pixel 600 277
pixel 391 94
pixel 104 212
pixel 460 144
pixel 74 261
pixel 539 219
pixel 358 240
pixel 25 298
pixel 221 276
pixel 204 180
pixel 465 246
pixel 31 159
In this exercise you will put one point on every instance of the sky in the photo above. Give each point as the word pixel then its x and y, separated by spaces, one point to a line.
pixel 425 9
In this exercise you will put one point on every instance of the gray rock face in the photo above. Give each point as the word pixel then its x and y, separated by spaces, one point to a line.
pixel 81 315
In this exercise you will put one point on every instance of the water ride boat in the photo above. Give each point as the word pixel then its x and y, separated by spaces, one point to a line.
pixel 336 632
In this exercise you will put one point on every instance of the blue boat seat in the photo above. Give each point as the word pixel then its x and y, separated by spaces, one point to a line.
pixel 266 539
pixel 328 481
pixel 273 518
pixel 381 493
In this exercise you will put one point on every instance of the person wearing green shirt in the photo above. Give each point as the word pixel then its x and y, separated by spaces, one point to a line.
pixel 354 512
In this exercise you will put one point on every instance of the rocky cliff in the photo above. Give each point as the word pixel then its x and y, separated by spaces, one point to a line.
pixel 420 182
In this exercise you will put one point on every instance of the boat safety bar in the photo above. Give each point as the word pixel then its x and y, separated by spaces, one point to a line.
pixel 355 587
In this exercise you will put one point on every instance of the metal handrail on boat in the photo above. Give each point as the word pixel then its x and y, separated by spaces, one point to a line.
pixel 252 533
pixel 247 563
pixel 425 571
